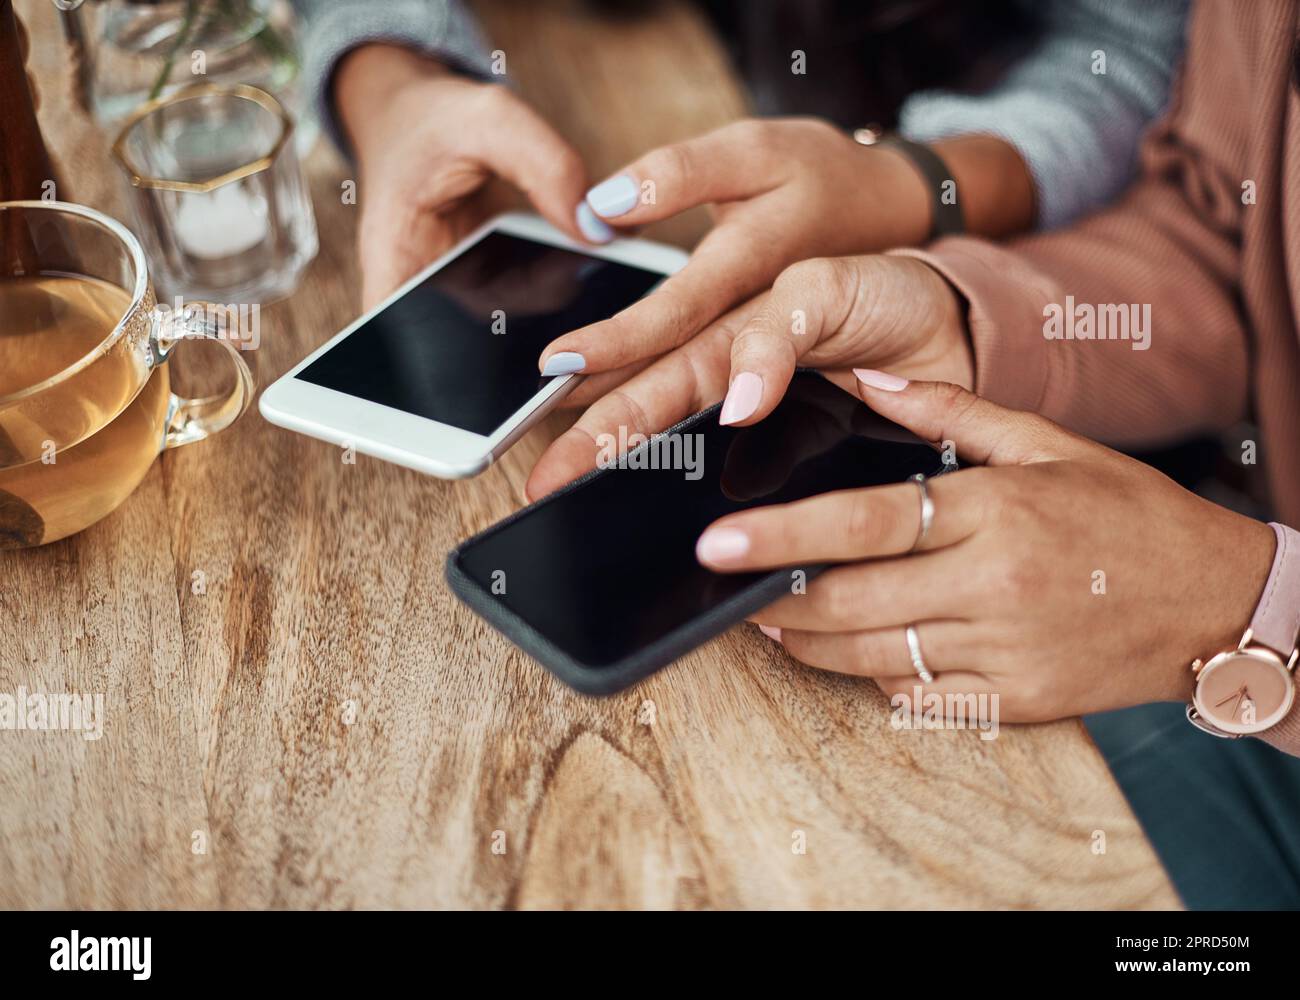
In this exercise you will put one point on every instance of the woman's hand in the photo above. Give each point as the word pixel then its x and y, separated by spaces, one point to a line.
pixel 783 189
pixel 835 314
pixel 427 141
pixel 1061 576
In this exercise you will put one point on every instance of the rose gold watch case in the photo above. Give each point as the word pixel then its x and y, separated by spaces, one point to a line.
pixel 1207 715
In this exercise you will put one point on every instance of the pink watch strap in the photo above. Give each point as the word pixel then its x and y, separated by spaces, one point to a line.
pixel 1277 616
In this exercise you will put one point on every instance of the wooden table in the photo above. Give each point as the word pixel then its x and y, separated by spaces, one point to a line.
pixel 229 775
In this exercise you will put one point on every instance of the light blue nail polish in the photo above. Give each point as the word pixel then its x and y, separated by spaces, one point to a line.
pixel 614 197
pixel 592 227
pixel 564 363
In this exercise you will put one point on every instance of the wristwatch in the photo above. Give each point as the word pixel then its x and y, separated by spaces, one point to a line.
pixel 1243 691
pixel 946 216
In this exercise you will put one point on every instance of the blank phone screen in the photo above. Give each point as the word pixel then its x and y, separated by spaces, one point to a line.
pixel 609 567
pixel 461 347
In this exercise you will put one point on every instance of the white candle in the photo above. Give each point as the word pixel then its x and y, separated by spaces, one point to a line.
pixel 222 222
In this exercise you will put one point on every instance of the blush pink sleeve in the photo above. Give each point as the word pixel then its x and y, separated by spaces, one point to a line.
pixel 1145 252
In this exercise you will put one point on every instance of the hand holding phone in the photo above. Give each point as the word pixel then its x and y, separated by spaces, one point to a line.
pixel 600 581
pixel 442 376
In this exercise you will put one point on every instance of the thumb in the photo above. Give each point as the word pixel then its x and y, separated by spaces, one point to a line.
pixel 982 432
pixel 809 302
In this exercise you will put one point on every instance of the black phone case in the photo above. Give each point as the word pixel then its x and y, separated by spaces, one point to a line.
pixel 612 678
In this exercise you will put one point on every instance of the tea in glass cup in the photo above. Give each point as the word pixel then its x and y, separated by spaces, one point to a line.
pixel 85 398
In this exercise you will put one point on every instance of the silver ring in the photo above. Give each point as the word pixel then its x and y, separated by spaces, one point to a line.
pixel 927 512
pixel 918 661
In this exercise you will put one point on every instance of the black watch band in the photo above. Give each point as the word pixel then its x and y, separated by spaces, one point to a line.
pixel 946 214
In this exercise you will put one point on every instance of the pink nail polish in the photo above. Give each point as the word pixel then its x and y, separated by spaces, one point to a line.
pixel 720 546
pixel 772 633
pixel 742 400
pixel 880 380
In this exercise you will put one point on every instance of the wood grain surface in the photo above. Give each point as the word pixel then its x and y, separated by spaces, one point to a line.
pixel 326 726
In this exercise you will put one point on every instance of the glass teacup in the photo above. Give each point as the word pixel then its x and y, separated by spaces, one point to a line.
pixel 85 397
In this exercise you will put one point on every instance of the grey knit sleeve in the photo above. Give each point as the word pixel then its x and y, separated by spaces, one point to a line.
pixel 1076 126
pixel 329 29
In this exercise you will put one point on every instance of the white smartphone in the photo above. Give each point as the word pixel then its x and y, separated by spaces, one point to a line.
pixel 442 376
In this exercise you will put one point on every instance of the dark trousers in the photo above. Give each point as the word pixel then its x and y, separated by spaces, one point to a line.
pixel 1223 815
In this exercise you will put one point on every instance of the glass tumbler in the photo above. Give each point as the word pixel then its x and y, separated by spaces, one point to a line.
pixel 219 199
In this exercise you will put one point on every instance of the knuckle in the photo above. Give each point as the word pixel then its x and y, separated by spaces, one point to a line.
pixel 763 339
pixel 983 499
pixel 871 652
pixel 614 333
pixel 841 279
pixel 677 315
pixel 750 131
pixel 808 275
pixel 959 407
pixel 840 601
pixel 669 165
pixel 1015 505
pixel 866 522
pixel 979 485
pixel 590 441
pixel 626 410
pixel 496 100
pixel 820 287
pixel 679 370
pixel 1034 693
pixel 751 336
pixel 807 125
pixel 954 398
pixel 1016 577
pixel 1001 505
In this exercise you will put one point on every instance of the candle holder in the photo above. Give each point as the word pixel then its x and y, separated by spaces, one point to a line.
pixel 218 196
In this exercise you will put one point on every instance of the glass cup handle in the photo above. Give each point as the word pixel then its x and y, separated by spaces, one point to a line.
pixel 191 420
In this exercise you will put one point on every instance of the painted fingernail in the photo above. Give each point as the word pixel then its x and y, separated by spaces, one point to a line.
pixel 742 398
pixel 770 632
pixel 592 227
pixel 564 363
pixel 720 546
pixel 880 380
pixel 614 197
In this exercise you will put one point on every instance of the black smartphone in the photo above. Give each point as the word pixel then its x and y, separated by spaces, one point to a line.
pixel 599 581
